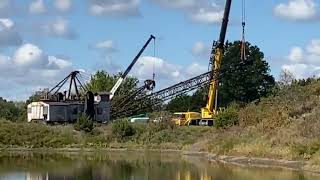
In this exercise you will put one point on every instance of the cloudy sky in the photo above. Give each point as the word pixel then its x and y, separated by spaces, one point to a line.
pixel 41 41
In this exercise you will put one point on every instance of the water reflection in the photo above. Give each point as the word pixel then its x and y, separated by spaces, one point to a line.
pixel 128 166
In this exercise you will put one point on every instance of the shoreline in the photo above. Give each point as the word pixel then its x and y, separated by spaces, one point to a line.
pixel 242 161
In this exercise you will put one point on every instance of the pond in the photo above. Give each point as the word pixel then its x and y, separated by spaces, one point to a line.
pixel 128 165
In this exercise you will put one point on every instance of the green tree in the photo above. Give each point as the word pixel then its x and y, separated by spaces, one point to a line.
pixel 244 80
pixel 240 81
pixel 102 81
pixel 180 103
pixel 36 96
pixel 10 110
pixel 186 102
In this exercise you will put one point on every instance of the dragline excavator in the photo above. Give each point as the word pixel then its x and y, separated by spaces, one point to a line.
pixel 124 75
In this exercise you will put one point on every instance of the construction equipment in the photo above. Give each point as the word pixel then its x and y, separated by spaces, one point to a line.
pixel 74 83
pixel 211 78
pixel 139 101
pixel 186 118
pixel 208 112
pixel 243 40
pixel 123 104
pixel 124 75
pixel 69 105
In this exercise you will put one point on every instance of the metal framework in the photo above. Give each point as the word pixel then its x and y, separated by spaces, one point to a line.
pixel 134 61
pixel 139 103
pixel 73 82
pixel 182 87
pixel 130 102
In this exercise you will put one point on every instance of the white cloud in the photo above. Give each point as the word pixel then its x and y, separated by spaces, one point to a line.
pixel 30 67
pixel 164 70
pixel 114 7
pixel 63 5
pixel 6 23
pixel 207 16
pixel 37 7
pixel 179 4
pixel 59 28
pixel 296 54
pixel 29 55
pixel 166 73
pixel 8 35
pixel 106 46
pixel 58 63
pixel 297 10
pixel 195 69
pixel 314 47
pixel 301 71
pixel 304 62
pixel 201 49
pixel 199 11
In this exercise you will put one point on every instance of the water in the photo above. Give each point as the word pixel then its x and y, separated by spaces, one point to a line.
pixel 130 166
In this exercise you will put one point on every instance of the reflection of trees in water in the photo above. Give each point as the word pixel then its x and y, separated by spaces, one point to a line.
pixel 127 165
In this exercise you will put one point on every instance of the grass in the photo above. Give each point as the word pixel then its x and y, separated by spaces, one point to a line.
pixel 30 135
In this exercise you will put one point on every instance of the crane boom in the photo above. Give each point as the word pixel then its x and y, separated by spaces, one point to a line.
pixel 124 75
pixel 211 109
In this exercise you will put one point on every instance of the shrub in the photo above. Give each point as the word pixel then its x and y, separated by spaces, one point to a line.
pixel 84 123
pixel 122 129
pixel 227 118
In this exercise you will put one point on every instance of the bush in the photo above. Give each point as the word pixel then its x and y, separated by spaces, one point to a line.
pixel 84 123
pixel 122 129
pixel 227 118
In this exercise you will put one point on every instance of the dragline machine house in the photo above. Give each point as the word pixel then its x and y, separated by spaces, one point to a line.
pixel 67 107
pixel 124 75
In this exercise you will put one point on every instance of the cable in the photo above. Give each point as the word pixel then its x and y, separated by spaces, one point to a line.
pixel 243 40
pixel 154 56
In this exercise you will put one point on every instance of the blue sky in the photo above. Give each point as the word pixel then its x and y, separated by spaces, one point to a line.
pixel 41 41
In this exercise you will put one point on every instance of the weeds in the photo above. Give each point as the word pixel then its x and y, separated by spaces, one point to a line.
pixel 84 123
pixel 228 117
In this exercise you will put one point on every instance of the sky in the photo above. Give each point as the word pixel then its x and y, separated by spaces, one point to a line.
pixel 42 41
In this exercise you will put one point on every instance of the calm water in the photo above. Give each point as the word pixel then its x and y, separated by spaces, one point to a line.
pixel 131 166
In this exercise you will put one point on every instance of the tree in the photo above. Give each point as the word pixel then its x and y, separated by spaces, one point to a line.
pixel 244 80
pixel 36 96
pixel 10 110
pixel 180 103
pixel 239 81
pixel 102 81
pixel 286 78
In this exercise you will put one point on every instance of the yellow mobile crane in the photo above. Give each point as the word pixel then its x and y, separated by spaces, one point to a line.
pixel 208 112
